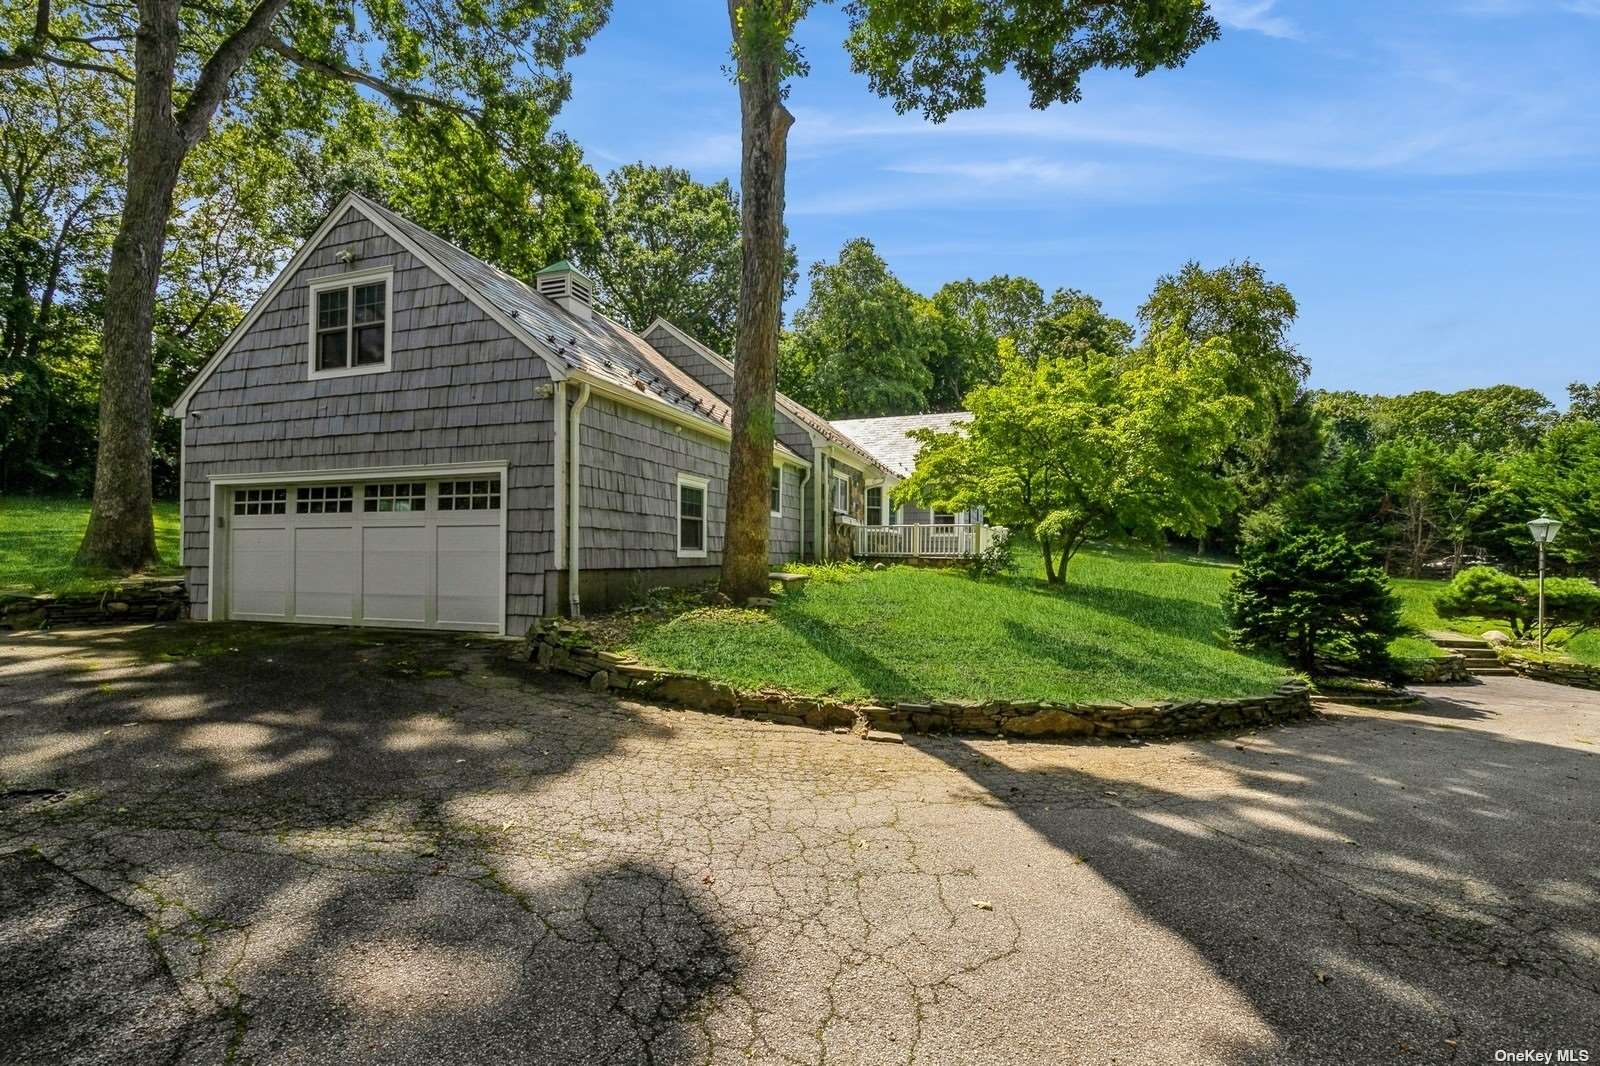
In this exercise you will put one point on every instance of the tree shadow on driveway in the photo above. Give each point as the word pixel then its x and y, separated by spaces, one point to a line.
pixel 340 846
pixel 1379 887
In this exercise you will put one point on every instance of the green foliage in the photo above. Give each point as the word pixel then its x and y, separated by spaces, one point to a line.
pixel 1089 447
pixel 1572 605
pixel 938 58
pixel 669 246
pixel 861 344
pixel 1131 629
pixel 1316 599
pixel 1241 305
pixel 997 559
pixel 1584 401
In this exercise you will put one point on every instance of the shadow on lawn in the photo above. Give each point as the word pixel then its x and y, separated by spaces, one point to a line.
pixel 1378 889
pixel 324 839
pixel 844 651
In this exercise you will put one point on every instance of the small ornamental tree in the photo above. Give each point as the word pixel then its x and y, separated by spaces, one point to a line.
pixel 1313 596
pixel 1088 447
pixel 1571 604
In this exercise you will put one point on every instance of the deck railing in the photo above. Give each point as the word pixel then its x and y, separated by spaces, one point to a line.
pixel 925 541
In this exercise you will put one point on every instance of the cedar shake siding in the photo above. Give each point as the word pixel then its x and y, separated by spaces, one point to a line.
pixel 460 388
pixel 629 535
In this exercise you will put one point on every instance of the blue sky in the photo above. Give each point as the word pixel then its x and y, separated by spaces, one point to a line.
pixel 1425 176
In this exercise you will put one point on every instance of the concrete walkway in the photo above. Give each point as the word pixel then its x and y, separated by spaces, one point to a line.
pixel 293 846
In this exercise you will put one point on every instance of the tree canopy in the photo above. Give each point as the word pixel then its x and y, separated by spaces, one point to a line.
pixel 669 246
pixel 1090 446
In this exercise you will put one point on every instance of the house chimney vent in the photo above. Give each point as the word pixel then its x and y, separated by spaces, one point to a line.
pixel 567 286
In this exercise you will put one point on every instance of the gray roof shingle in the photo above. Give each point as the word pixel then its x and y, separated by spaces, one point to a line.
pixel 599 346
pixel 888 441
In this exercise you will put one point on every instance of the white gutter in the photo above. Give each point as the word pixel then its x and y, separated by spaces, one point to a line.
pixel 575 500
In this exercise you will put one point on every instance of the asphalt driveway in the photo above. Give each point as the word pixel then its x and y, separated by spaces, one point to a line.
pixel 233 843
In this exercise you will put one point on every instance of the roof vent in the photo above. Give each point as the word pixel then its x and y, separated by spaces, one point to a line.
pixel 563 283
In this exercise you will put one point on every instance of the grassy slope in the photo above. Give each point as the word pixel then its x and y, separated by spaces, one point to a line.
pixel 38 538
pixel 1126 628
pixel 1417 598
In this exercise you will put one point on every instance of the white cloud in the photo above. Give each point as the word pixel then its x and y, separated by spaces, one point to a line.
pixel 1256 15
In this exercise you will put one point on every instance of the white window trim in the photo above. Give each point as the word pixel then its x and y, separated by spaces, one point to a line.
pixel 777 468
pixel 833 506
pixel 344 281
pixel 883 505
pixel 703 485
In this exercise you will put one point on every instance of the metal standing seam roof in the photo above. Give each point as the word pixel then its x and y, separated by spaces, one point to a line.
pixel 888 439
pixel 599 346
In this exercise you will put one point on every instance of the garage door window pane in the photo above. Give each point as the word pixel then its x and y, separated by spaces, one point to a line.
pixel 481 494
pixel 395 496
pixel 260 501
pixel 324 499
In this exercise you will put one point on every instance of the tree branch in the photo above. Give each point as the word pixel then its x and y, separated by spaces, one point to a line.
pixel 403 98
pixel 32 51
pixel 223 65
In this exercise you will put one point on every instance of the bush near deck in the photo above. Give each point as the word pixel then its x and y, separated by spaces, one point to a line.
pixel 1128 628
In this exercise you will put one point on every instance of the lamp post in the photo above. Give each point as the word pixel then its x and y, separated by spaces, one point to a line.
pixel 1544 530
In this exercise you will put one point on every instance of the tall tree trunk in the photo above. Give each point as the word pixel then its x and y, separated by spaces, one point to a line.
pixel 1048 551
pixel 764 129
pixel 121 533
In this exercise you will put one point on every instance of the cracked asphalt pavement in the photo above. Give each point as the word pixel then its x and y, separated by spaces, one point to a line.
pixel 230 843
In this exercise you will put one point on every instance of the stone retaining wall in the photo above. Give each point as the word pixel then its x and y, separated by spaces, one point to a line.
pixel 1436 670
pixel 158 600
pixel 563 647
pixel 1576 675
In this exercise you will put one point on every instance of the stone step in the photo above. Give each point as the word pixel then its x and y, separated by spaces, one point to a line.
pixel 1491 671
pixel 1460 643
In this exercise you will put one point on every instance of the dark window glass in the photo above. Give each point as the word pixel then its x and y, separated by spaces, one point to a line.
pixel 369 303
pixel 331 350
pixel 395 496
pixel 483 495
pixel 691 518
pixel 875 506
pixel 777 490
pixel 369 345
pixel 943 518
pixel 332 307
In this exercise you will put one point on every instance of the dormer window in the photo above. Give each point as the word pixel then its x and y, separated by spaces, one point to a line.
pixel 350 320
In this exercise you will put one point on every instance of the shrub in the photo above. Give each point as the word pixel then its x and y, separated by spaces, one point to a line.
pixel 1316 599
pixel 995 560
pixel 1570 603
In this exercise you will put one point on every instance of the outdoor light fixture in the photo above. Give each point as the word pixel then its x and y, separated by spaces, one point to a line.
pixel 1544 530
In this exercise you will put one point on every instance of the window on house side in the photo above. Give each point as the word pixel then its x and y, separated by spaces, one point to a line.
pixel 777 491
pixel 943 518
pixel 691 517
pixel 841 493
pixel 352 326
pixel 875 506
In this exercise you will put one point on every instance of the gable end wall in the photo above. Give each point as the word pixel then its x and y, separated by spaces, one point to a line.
pixel 461 389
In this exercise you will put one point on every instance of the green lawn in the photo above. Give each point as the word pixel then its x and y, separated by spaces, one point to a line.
pixel 1126 628
pixel 1417 595
pixel 38 538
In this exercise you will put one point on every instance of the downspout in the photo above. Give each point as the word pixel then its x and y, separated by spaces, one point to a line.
pixel 574 500
pixel 805 480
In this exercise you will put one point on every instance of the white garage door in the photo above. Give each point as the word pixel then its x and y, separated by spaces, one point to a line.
pixel 420 554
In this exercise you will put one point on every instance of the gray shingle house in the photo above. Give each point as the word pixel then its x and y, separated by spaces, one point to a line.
pixel 400 434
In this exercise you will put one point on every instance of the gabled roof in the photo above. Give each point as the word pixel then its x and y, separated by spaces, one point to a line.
pixel 595 349
pixel 793 408
pixel 888 439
